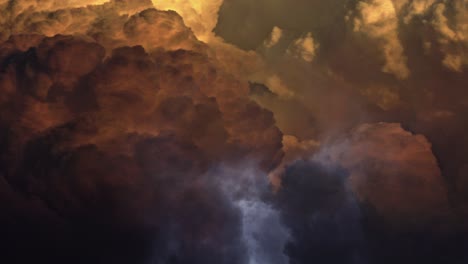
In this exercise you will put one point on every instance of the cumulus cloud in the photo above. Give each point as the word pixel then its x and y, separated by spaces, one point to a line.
pixel 363 195
pixel 113 24
pixel 418 8
pixel 200 16
pixel 82 136
pixel 378 20
pixel 275 37
pixel 233 131
pixel 453 39
pixel 277 86
pixel 393 170
pixel 322 214
pixel 304 48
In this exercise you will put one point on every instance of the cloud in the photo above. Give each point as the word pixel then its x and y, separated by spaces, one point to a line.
pixel 113 24
pixel 453 40
pixel 304 48
pixel 378 20
pixel 277 86
pixel 126 138
pixel 322 214
pixel 393 170
pixel 200 16
pixel 275 37
pixel 233 131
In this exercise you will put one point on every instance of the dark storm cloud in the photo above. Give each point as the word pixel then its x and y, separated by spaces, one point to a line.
pixel 110 155
pixel 375 61
pixel 330 222
pixel 126 139
pixel 322 213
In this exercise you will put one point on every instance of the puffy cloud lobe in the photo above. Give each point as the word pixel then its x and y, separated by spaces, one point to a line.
pixel 152 28
pixel 132 86
pixel 378 19
pixel 448 21
pixel 275 37
pixel 452 39
pixel 18 7
pixel 200 16
pixel 114 24
pixel 277 87
pixel 304 48
pixel 417 8
pixel 394 171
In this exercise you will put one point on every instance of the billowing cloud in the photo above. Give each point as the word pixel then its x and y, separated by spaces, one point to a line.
pixel 275 37
pixel 233 131
pixel 127 136
pixel 113 24
pixel 323 215
pixel 378 20
pixel 304 48
pixel 200 16
pixel 394 171
pixel 453 39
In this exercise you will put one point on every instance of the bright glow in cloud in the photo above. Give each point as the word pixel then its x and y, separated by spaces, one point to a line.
pixel 304 48
pixel 378 20
pixel 200 15
pixel 275 37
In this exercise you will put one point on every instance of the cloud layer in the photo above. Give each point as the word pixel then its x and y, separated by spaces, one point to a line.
pixel 233 131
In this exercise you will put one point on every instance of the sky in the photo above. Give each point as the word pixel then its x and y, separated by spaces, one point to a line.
pixel 234 131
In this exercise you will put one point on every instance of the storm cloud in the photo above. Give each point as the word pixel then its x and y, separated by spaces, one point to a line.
pixel 233 131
